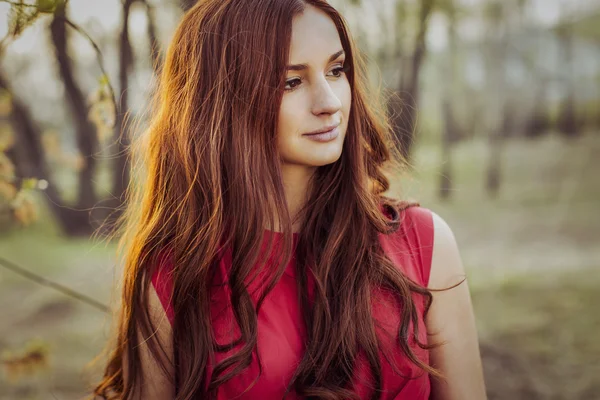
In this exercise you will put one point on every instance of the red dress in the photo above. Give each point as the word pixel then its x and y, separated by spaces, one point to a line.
pixel 281 328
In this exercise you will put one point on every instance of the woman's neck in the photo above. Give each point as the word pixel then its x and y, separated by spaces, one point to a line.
pixel 296 182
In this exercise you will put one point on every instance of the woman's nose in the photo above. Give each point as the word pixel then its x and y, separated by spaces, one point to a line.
pixel 325 100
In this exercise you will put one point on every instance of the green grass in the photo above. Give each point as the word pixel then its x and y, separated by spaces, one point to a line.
pixel 544 329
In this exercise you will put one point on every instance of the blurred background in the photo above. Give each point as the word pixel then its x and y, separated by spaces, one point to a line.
pixel 497 108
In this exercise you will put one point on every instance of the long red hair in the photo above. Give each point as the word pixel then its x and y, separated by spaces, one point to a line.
pixel 209 176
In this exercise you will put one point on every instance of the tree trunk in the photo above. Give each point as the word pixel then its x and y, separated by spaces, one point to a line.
pixel 496 56
pixel 445 190
pixel 492 185
pixel 32 163
pixel 450 128
pixel 404 123
pixel 538 122
pixel 122 132
pixel 496 140
pixel 567 120
pixel 155 52
pixel 87 140
pixel 187 4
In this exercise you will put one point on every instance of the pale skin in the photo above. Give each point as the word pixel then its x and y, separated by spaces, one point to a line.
pixel 321 97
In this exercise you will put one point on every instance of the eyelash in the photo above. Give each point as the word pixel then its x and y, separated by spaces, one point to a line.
pixel 342 69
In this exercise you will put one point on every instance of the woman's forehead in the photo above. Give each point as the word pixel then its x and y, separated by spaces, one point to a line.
pixel 314 38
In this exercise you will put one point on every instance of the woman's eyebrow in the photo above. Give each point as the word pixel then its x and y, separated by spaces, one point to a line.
pixel 300 67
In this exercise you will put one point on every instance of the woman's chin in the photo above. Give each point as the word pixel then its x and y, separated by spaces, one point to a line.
pixel 323 160
pixel 315 157
pixel 325 155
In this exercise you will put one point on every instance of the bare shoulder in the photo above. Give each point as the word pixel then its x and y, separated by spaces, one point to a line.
pixel 446 265
pixel 451 322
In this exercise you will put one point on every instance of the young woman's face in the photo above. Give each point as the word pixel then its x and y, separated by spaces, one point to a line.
pixel 317 93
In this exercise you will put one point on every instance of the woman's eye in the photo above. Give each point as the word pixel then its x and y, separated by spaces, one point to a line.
pixel 337 73
pixel 341 69
pixel 292 84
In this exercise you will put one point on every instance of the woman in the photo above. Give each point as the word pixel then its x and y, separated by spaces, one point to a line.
pixel 262 260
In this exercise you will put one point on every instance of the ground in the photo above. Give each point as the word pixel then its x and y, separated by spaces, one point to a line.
pixel 531 255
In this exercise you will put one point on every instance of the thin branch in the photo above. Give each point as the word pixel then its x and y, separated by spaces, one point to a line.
pixel 80 31
pixel 98 55
pixel 56 286
pixel 19 4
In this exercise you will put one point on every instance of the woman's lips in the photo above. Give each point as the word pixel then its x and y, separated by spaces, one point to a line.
pixel 324 136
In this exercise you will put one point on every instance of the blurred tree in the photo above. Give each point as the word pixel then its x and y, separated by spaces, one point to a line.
pixel 538 121
pixel 121 169
pixel 405 53
pixel 31 160
pixel 449 134
pixel 187 4
pixel 92 122
pixel 567 118
pixel 155 51
pixel 85 131
pixel 494 13
pixel 450 129
pixel 573 28
pixel 392 52
pixel 122 132
pixel 403 107
pixel 89 120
